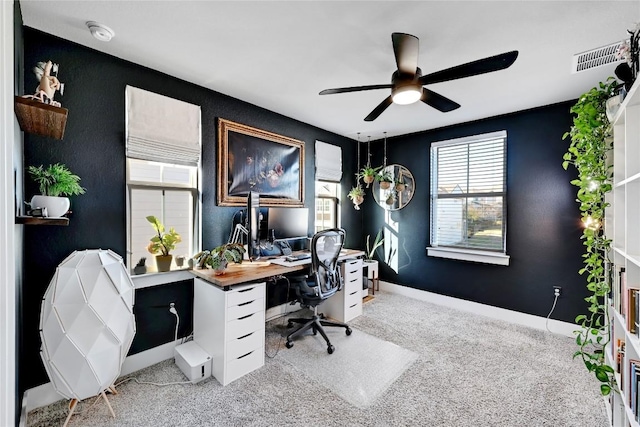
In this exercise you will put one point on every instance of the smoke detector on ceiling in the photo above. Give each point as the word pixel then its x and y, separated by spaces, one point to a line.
pixel 595 58
pixel 100 32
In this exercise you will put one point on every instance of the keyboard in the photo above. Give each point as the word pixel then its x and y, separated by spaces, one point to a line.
pixel 297 257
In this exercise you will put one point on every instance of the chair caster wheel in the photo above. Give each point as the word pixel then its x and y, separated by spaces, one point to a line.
pixel 288 344
pixel 330 349
pixel 315 332
pixel 348 331
pixel 290 325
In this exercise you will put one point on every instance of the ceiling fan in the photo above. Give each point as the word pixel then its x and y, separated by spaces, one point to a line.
pixel 407 81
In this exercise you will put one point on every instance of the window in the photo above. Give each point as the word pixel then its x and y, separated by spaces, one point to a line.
pixel 468 195
pixel 163 145
pixel 168 192
pixel 326 213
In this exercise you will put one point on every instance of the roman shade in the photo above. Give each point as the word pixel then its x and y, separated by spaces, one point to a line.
pixel 328 162
pixel 162 129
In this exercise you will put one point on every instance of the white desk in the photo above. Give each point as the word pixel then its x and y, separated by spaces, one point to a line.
pixel 229 312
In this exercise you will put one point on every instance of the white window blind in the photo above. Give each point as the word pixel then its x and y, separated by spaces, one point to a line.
pixel 468 193
pixel 162 129
pixel 328 162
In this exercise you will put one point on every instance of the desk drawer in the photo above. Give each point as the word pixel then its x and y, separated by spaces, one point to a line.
pixel 353 284
pixel 245 344
pixel 352 268
pixel 353 297
pixel 245 325
pixel 244 364
pixel 245 293
pixel 246 308
pixel 352 312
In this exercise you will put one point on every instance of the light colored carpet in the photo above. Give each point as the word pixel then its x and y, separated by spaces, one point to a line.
pixel 470 371
pixel 360 369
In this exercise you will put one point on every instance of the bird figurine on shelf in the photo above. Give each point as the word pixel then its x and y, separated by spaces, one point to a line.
pixel 49 84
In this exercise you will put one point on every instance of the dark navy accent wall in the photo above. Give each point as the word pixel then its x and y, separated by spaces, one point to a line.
pixel 93 147
pixel 543 219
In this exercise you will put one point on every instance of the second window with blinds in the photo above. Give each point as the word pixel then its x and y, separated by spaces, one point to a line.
pixel 468 199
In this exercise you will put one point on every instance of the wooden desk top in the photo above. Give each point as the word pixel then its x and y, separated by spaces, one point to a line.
pixel 236 273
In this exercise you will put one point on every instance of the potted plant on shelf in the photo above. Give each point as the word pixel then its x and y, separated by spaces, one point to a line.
pixel 385 178
pixel 162 244
pixel 55 182
pixel 368 174
pixel 400 184
pixel 219 257
pixel 356 194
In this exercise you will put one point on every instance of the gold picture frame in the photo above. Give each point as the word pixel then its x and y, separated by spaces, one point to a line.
pixel 251 159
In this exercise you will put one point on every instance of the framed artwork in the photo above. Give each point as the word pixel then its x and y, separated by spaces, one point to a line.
pixel 251 159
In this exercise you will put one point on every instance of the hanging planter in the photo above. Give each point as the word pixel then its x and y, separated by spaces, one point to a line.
pixel 357 196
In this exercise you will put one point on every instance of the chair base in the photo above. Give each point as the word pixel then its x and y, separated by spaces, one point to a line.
pixel 316 324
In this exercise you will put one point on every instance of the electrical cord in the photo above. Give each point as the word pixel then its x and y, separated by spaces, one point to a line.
pixel 275 279
pixel 555 300
pixel 152 383
pixel 172 310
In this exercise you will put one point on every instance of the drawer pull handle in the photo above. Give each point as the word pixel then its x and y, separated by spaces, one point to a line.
pixel 353 272
pixel 244 317
pixel 244 336
pixel 246 290
pixel 245 303
pixel 245 355
pixel 354 280
pixel 353 305
pixel 353 293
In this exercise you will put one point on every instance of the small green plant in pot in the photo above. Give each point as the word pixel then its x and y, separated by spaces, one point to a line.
pixel 385 178
pixel 162 243
pixel 219 257
pixel 368 174
pixel 55 183
pixel 356 194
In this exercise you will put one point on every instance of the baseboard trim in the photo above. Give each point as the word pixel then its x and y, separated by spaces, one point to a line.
pixel 536 322
pixel 45 394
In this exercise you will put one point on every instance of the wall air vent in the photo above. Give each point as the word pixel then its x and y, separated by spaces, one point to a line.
pixel 595 58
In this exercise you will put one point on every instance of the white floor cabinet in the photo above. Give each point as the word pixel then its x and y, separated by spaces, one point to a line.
pixel 229 325
pixel 347 303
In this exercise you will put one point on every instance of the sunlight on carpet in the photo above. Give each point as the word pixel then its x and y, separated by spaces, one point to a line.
pixel 359 371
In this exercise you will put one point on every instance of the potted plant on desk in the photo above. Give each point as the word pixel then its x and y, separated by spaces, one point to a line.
pixel 162 244
pixel 219 257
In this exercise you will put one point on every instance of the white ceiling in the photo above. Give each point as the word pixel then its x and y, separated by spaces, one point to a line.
pixel 279 55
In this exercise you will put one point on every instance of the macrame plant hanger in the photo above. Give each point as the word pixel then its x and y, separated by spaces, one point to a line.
pixel 357 193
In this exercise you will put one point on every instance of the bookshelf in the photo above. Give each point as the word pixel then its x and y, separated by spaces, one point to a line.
pixel 622 225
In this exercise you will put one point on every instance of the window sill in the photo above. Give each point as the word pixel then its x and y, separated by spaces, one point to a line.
pixel 154 278
pixel 484 257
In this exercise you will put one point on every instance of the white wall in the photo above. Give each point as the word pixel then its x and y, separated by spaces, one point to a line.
pixel 8 279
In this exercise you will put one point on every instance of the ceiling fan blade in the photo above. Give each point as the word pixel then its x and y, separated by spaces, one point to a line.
pixel 354 89
pixel 379 109
pixel 481 66
pixel 405 47
pixel 438 101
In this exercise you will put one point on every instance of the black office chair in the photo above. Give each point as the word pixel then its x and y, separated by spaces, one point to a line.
pixel 323 281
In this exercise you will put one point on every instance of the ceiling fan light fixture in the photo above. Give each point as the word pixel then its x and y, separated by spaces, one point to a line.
pixel 405 95
pixel 100 31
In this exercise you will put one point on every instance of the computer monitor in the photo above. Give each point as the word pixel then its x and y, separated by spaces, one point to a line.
pixel 288 223
pixel 253 224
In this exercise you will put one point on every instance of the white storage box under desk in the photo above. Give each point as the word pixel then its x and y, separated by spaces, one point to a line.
pixel 229 325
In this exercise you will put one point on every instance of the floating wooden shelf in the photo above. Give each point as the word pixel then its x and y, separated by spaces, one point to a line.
pixel 32 220
pixel 40 119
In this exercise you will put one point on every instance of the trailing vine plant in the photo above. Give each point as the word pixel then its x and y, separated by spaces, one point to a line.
pixel 589 151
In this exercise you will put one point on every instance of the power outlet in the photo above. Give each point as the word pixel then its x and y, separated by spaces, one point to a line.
pixel 557 291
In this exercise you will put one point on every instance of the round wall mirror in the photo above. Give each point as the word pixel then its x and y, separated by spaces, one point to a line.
pixel 396 190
